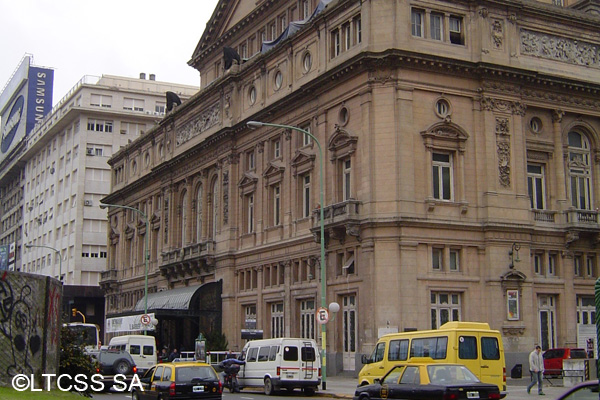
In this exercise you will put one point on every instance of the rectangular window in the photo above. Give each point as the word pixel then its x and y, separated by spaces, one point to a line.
pixel 276 148
pixel 436 25
pixel 251 163
pixel 551 264
pixel 577 263
pixel 535 185
pixel 538 268
pixel 590 266
pixel 437 259
pixel 416 19
pixel 435 347
pixel 133 104
pixel 336 42
pixel 306 139
pixel 290 353
pixel 442 176
pixel 445 307
pixel 357 30
pixel 456 31
pixel 263 353
pixel 347 36
pixel 307 319
pixel 276 205
pixel 277 322
pixel 467 348
pixel 454 260
pixel 250 211
pixel 306 196
pixel 347 180
pixel 99 100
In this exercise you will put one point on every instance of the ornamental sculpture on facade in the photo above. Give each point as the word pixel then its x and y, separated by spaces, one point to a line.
pixel 557 48
pixel 208 119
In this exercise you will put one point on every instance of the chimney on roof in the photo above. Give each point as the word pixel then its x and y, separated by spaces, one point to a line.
pixel 152 77
pixel 142 75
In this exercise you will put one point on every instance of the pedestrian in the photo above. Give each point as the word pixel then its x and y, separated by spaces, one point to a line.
pixel 174 355
pixel 536 369
pixel 163 355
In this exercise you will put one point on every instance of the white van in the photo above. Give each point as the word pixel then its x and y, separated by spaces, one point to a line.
pixel 141 347
pixel 281 363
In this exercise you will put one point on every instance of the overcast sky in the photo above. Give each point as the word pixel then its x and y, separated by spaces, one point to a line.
pixel 108 37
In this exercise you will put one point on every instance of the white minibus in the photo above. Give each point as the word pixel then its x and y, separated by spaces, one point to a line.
pixel 141 347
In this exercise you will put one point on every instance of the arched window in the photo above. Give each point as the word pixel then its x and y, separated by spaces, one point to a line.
pixel 184 200
pixel 580 171
pixel 199 214
pixel 215 208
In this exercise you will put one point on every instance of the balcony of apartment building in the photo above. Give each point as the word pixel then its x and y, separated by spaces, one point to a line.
pixel 109 279
pixel 340 221
pixel 194 259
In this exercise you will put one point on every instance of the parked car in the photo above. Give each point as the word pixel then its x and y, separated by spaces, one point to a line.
pixel 179 380
pixel 553 359
pixel 582 391
pixel 428 380
pixel 112 361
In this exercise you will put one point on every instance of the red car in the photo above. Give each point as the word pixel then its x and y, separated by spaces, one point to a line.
pixel 553 359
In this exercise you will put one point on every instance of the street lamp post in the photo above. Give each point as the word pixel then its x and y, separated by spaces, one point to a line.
pixel 60 278
pixel 146 250
pixel 257 124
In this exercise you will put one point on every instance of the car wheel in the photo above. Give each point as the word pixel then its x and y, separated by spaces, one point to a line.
pixel 135 396
pixel 364 397
pixel 309 391
pixel 122 367
pixel 268 387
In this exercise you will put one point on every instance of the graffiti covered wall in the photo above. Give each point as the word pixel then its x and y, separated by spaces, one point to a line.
pixel 29 325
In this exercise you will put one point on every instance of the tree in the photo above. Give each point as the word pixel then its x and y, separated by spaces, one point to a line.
pixel 216 341
pixel 74 361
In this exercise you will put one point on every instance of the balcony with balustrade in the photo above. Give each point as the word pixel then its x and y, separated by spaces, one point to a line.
pixel 195 259
pixel 340 221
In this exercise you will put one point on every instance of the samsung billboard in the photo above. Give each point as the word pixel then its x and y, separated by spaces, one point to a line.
pixel 25 101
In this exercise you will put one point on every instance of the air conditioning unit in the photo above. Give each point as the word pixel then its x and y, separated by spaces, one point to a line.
pixel 89 152
pixel 87 203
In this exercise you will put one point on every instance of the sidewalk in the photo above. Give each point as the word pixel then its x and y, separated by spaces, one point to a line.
pixel 344 386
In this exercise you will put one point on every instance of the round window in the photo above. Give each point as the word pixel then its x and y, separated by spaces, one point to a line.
pixel 307 61
pixel 278 80
pixel 343 116
pixel 535 124
pixel 252 95
pixel 442 108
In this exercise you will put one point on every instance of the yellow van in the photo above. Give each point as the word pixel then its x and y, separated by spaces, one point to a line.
pixel 473 344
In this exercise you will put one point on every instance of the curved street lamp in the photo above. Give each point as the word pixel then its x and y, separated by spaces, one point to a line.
pixel 146 250
pixel 60 277
pixel 257 124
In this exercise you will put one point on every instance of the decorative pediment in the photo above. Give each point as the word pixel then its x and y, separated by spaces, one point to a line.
pixel 303 161
pixel 513 279
pixel 342 143
pixel 248 183
pixel 273 173
pixel 129 231
pixel 445 135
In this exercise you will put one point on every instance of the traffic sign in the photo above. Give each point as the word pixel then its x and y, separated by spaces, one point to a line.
pixel 322 315
pixel 145 319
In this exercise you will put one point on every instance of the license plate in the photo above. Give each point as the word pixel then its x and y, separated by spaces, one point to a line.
pixel 290 375
pixel 198 389
pixel 472 395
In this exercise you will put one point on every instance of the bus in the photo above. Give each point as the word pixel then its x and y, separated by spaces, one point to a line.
pixel 88 335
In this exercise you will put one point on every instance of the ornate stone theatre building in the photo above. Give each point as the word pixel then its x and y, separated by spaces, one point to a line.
pixel 461 158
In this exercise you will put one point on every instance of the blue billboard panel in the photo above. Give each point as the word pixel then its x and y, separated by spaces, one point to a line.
pixel 39 95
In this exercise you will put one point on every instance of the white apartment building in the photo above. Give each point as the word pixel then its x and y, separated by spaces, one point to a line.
pixel 64 232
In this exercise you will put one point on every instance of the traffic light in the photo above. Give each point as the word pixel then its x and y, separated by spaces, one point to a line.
pixel 74 311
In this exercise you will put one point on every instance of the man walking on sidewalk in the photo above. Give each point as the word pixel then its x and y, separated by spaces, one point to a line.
pixel 536 368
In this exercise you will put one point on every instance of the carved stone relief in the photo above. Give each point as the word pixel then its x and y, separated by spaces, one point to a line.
pixel 503 149
pixel 502 126
pixel 557 48
pixel 225 197
pixel 497 34
pixel 208 119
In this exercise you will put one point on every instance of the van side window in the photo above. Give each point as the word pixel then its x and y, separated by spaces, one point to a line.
pixel 167 374
pixel 490 350
pixel 467 347
pixel 134 349
pixel 273 353
pixel 398 350
pixel 308 353
pixel 252 354
pixel 429 347
pixel 290 353
pixel 379 352
pixel 148 350
pixel 263 353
